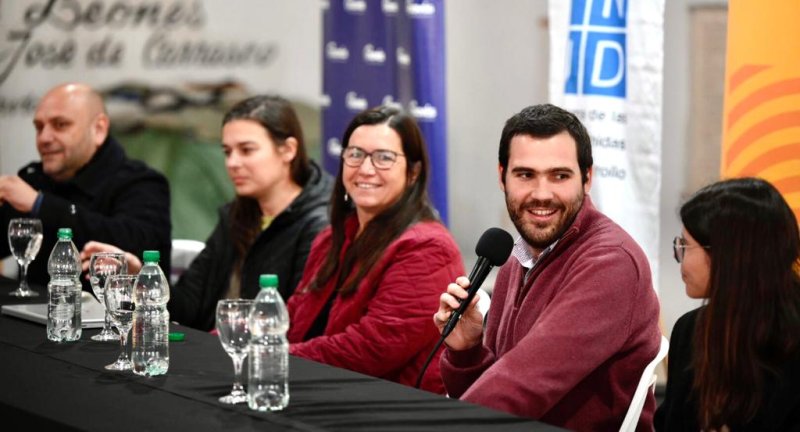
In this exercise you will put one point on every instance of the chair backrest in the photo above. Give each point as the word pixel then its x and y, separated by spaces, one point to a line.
pixel 183 253
pixel 484 301
pixel 646 384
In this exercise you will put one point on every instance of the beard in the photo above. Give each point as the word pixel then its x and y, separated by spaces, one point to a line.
pixel 538 234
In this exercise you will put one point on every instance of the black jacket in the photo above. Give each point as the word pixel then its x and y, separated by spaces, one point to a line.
pixel 112 199
pixel 280 249
pixel 780 407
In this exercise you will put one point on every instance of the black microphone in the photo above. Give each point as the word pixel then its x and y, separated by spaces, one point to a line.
pixel 493 250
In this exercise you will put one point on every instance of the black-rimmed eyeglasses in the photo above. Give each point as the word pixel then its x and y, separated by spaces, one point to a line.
pixel 679 246
pixel 381 159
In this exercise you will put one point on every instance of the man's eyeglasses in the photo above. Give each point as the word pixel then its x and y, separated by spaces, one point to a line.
pixel 679 246
pixel 381 159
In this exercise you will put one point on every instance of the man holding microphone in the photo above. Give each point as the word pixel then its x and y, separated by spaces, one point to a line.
pixel 574 317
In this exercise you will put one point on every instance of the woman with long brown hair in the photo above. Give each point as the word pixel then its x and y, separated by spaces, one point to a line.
pixel 374 277
pixel 280 206
pixel 734 363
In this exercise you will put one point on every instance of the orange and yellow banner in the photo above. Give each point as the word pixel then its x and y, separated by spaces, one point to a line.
pixel 761 125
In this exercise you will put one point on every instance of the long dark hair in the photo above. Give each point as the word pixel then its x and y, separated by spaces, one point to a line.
pixel 751 323
pixel 276 115
pixel 411 207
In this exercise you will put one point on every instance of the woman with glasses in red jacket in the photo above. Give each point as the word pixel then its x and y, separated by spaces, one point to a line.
pixel 373 279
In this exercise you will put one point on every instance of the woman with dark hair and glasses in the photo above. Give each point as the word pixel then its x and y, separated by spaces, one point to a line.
pixel 734 363
pixel 373 278
pixel 280 206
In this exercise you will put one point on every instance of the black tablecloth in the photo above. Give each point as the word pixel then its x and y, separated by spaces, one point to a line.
pixel 64 386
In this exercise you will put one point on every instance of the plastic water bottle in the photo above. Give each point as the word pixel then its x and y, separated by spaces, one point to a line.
pixel 268 354
pixel 64 290
pixel 150 345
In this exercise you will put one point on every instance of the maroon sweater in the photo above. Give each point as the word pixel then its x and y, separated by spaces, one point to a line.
pixel 570 345
pixel 384 328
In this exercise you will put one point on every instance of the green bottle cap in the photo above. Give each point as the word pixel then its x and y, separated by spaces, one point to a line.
pixel 151 256
pixel 268 281
pixel 176 337
pixel 65 233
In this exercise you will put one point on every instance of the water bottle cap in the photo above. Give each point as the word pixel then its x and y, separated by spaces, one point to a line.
pixel 65 233
pixel 151 256
pixel 268 281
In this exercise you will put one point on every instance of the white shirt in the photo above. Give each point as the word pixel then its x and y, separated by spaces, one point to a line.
pixel 526 256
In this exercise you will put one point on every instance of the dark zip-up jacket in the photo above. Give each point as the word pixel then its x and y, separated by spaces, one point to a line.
pixel 280 249
pixel 112 199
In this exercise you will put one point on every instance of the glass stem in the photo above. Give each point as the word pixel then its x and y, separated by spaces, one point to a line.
pixel 123 340
pixel 237 373
pixel 107 322
pixel 23 279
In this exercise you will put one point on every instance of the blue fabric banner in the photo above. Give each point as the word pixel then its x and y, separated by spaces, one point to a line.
pixel 386 52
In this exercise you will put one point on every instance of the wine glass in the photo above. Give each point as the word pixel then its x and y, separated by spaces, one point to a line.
pixel 118 297
pixel 25 239
pixel 101 266
pixel 234 334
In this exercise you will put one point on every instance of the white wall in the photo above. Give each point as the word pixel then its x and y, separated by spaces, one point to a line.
pixel 497 63
pixel 675 163
pixel 674 301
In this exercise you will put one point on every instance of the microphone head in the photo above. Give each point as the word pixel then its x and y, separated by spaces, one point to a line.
pixel 495 245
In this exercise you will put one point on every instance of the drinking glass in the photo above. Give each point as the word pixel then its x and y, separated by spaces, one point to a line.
pixel 234 334
pixel 118 297
pixel 101 266
pixel 25 239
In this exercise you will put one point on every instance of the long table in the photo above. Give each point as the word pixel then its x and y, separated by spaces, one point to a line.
pixel 65 387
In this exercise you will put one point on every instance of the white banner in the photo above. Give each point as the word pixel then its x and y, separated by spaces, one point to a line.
pixel 182 45
pixel 168 69
pixel 606 61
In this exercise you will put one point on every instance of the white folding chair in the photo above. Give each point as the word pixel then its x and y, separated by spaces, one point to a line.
pixel 484 301
pixel 183 253
pixel 646 384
